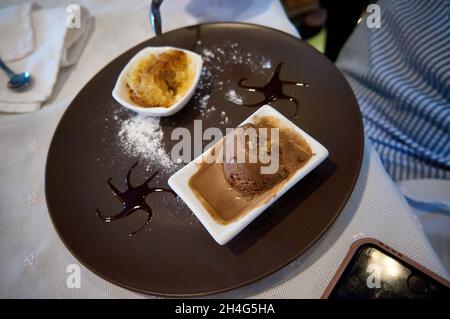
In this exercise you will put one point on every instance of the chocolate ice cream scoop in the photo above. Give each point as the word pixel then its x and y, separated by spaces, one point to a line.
pixel 228 190
pixel 243 170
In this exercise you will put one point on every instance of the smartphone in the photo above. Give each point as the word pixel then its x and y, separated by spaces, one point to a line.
pixel 373 270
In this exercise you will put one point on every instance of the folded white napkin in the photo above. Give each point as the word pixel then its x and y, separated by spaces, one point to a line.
pixel 55 46
pixel 16 33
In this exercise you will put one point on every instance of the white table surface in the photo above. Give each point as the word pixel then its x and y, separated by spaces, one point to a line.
pixel 33 260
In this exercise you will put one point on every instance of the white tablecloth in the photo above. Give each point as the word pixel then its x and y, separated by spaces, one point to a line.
pixel 33 260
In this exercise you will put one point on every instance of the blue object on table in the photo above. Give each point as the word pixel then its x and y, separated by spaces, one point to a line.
pixel 400 74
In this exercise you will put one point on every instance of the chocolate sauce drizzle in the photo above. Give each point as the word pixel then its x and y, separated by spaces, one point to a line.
pixel 133 199
pixel 273 90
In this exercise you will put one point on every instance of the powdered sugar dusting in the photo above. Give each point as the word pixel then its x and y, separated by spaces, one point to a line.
pixel 202 94
pixel 142 137
pixel 221 56
pixel 219 60
pixel 207 53
pixel 267 64
pixel 233 97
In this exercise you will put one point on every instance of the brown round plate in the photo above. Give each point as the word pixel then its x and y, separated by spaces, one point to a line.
pixel 176 256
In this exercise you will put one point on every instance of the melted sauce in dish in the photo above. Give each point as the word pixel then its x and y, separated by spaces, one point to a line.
pixel 226 203
pixel 273 90
pixel 133 199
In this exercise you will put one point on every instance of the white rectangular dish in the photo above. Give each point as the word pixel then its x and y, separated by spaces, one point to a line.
pixel 222 233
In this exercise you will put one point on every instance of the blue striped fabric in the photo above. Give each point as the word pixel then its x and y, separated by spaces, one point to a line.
pixel 400 74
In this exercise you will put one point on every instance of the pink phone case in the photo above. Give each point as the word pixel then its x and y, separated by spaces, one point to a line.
pixel 383 247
